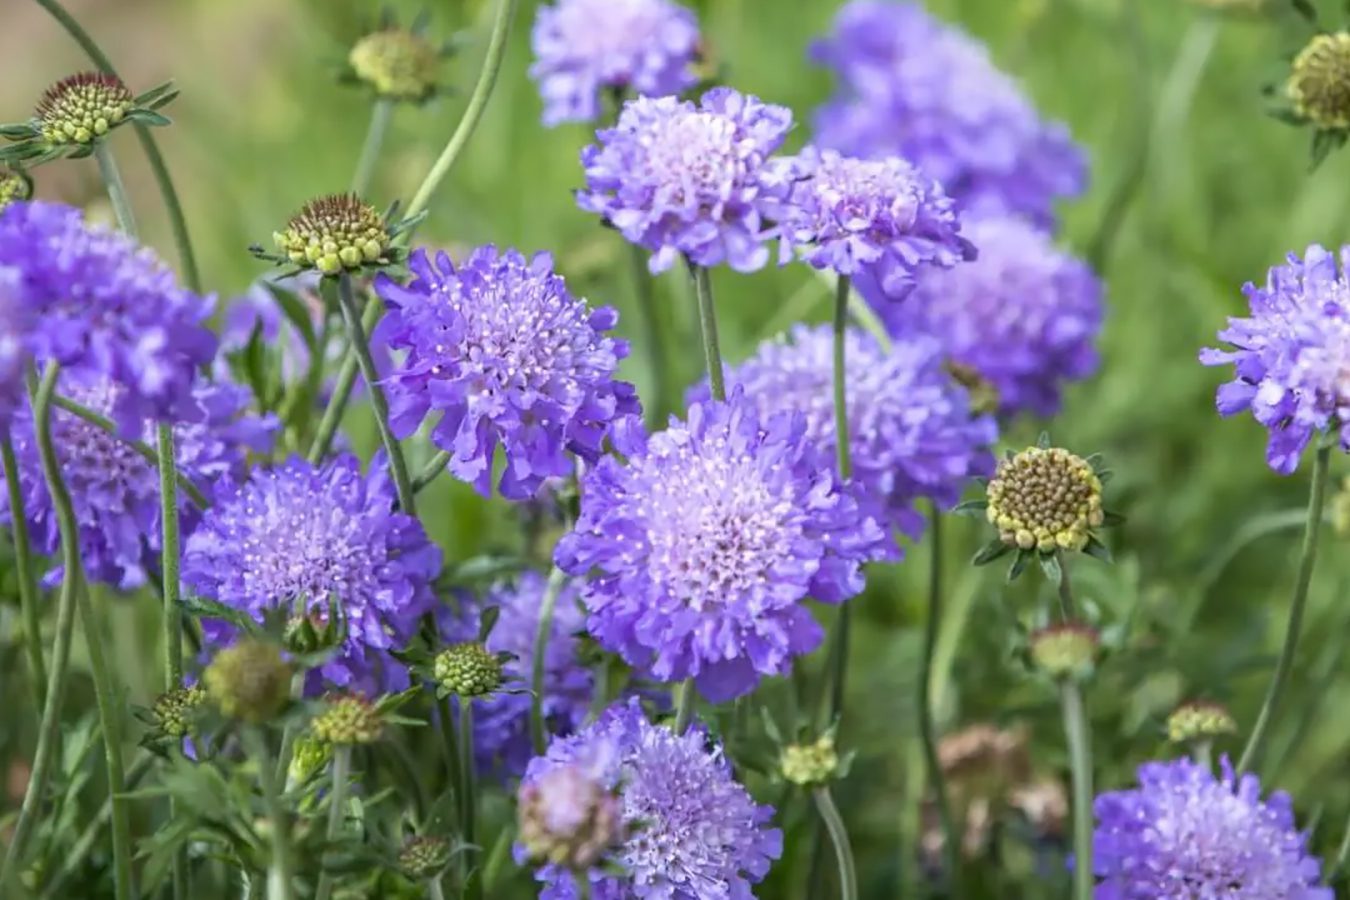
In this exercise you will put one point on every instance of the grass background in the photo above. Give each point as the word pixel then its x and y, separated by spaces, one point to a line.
pixel 1168 102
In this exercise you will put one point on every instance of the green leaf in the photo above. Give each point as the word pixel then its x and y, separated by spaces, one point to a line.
pixel 1050 566
pixel 295 311
pixel 488 621
pixel 148 117
pixel 1098 550
pixel 1324 142
pixel 973 508
pixel 1305 9
pixel 990 552
pixel 1043 442
pixel 1020 564
pixel 1112 518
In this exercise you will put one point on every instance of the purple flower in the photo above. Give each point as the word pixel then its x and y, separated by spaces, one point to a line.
pixel 693 832
pixel 16 325
pixel 1184 833
pixel 880 216
pixel 1024 315
pixel 110 307
pixel 1291 356
pixel 677 178
pixel 292 536
pixel 704 544
pixel 584 47
pixel 115 491
pixel 911 430
pixel 503 352
pixel 914 87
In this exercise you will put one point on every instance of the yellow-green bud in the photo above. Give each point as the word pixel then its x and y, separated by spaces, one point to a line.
pixel 398 64
pixel 309 757
pixel 13 186
pixel 334 233
pixel 1319 85
pixel 809 764
pixel 1199 720
pixel 1045 500
pixel 175 711
pixel 348 719
pixel 82 107
pixel 249 681
pixel 423 857
pixel 468 670
pixel 1067 650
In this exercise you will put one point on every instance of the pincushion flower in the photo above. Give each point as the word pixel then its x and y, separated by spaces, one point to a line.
pixel 583 48
pixel 1024 314
pixel 679 178
pixel 108 307
pixel 1185 833
pixel 503 354
pixel 691 831
pixel 914 87
pixel 1291 356
pixel 703 546
pixel 115 490
pixel 912 433
pixel 295 535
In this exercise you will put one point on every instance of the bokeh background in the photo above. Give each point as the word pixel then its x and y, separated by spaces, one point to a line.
pixel 1194 191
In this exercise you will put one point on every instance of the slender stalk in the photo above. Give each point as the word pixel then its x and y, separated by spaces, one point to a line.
pixel 356 337
pixel 473 887
pixel 380 114
pixel 1203 754
pixel 1251 754
pixel 839 650
pixel 171 547
pixel 93 832
pixel 1338 863
pixel 927 729
pixel 117 191
pixel 834 824
pixel 23 564
pixel 431 471
pixel 707 319
pixel 342 388
pixel 279 873
pixel 450 748
pixel 434 891
pixel 655 348
pixel 1080 764
pixel 538 729
pixel 337 809
pixel 684 705
pixel 583 882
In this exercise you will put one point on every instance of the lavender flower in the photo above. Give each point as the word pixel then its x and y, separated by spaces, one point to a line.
pixel 503 352
pixel 879 216
pixel 115 491
pixel 16 325
pixel 692 832
pixel 1185 833
pixel 913 87
pixel 911 430
pixel 584 47
pixel 1024 315
pixel 1291 355
pixel 292 536
pixel 108 307
pixel 677 178
pixel 705 543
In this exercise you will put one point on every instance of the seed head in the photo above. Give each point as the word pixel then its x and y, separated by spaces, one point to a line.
pixel 398 64
pixel 175 710
pixel 809 764
pixel 249 681
pixel 78 109
pixel 1319 85
pixel 568 819
pixel 424 856
pixel 333 233
pixel 1067 650
pixel 1046 500
pixel 348 719
pixel 14 185
pixel 1199 720
pixel 468 670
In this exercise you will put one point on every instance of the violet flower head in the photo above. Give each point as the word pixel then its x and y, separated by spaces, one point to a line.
pixel 915 87
pixel 679 178
pixel 912 433
pixel 110 307
pixel 703 546
pixel 881 216
pixel 1024 315
pixel 1291 356
pixel 1185 833
pixel 16 326
pixel 502 352
pixel 583 48
pixel 692 831
pixel 295 535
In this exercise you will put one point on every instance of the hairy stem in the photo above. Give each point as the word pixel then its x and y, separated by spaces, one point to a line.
pixel 431 471
pixel 279 873
pixel 838 656
pixel 1080 765
pixel 707 320
pixel 468 779
pixel 538 728
pixel 380 114
pixel 337 809
pixel 23 565
pixel 927 728
pixel 834 825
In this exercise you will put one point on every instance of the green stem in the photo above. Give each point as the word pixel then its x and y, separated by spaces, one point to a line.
pixel 707 320
pixel 685 695
pixel 839 651
pixel 337 809
pixel 1080 763
pixel 1202 752
pixel 927 729
pixel 434 891
pixel 834 824
pixel 1251 754
pixel 1066 604
pixel 538 728
pixel 651 337
pixel 468 781
pixel 171 554
pixel 23 564
pixel 380 114
pixel 342 388
pixel 279 873
pixel 431 471
pixel 1338 863
pixel 117 191
pixel 450 748
pixel 583 883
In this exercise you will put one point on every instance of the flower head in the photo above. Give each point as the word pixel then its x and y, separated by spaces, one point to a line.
pixel 585 47
pixel 503 352
pixel 911 430
pixel 424 856
pixel 1185 833
pixel 809 764
pixel 348 719
pixel 1045 499
pixel 1065 650
pixel 335 233
pixel 397 64
pixel 14 185
pixel 1319 83
pixel 249 681
pixel 1291 356
pixel 913 87
pixel 690 831
pixel 175 711
pixel 568 818
pixel 1199 720
pixel 293 536
pixel 82 107
pixel 679 178
pixel 704 544
pixel 467 670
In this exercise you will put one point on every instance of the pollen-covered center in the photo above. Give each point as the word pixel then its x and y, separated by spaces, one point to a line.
pixel 1045 499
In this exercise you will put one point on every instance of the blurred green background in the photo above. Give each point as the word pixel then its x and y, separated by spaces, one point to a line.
pixel 1205 193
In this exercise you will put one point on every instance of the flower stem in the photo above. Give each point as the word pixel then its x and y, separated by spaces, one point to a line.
pixel 434 891
pixel 583 883
pixel 538 728
pixel 279 873
pixel 117 191
pixel 337 809
pixel 473 887
pixel 1080 764
pixel 170 542
pixel 927 729
pixel 1251 754
pixel 707 320
pixel 834 824
pixel 23 564
pixel 661 405
pixel 380 114
pixel 838 656
pixel 431 471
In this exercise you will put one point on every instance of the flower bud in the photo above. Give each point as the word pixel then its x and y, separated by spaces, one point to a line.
pixel 348 719
pixel 81 108
pixel 809 764
pixel 1199 720
pixel 1319 84
pixel 396 63
pixel 467 670
pixel 14 185
pixel 568 819
pixel 335 233
pixel 175 711
pixel 1046 500
pixel 249 681
pixel 1067 650
pixel 423 857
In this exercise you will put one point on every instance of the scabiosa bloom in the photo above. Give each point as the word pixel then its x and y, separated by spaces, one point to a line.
pixel 503 352
pixel 1024 314
pixel 677 178
pixel 1291 356
pixel 914 87
pixel 692 831
pixel 584 47
pixel 16 325
pixel 108 307
pixel 294 535
pixel 705 543
pixel 115 490
pixel 881 216
pixel 912 433
pixel 1185 833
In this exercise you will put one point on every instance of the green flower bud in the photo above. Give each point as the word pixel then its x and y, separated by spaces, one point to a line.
pixel 467 670
pixel 249 681
pixel 423 857
pixel 14 185
pixel 348 719
pixel 309 757
pixel 334 233
pixel 396 63
pixel 1067 650
pixel 1045 500
pixel 1319 84
pixel 1199 720
pixel 77 109
pixel 809 764
pixel 175 711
